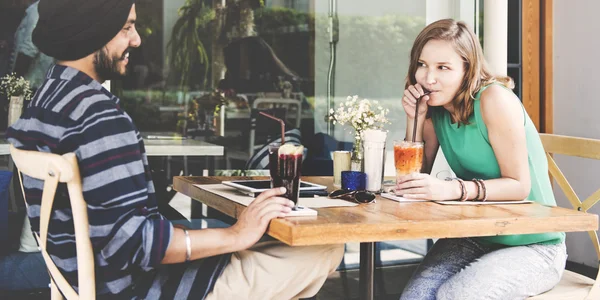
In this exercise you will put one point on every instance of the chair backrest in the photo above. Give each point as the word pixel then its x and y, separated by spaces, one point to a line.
pixel 579 147
pixel 260 159
pixel 291 107
pixel 52 169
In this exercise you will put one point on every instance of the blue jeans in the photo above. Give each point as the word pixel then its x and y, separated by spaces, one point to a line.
pixel 466 269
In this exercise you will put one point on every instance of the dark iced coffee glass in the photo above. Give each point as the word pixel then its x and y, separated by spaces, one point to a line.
pixel 288 170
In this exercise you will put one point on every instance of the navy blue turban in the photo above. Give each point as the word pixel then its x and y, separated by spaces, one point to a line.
pixel 73 29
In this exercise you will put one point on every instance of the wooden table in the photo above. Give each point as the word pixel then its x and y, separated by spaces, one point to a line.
pixel 389 220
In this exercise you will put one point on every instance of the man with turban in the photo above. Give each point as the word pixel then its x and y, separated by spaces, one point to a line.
pixel 138 253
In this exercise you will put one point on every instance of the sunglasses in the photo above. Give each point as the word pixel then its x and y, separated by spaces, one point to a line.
pixel 358 196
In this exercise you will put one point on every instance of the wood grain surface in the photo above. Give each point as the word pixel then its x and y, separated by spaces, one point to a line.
pixel 390 220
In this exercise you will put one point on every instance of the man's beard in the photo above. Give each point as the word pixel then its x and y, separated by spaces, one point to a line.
pixel 107 67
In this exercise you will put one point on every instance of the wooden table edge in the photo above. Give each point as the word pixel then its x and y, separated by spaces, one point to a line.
pixel 282 230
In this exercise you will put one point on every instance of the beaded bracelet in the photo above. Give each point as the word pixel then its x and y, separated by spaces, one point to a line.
pixel 463 190
pixel 479 188
pixel 484 189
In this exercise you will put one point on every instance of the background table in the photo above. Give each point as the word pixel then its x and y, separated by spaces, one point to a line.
pixel 183 147
pixel 162 147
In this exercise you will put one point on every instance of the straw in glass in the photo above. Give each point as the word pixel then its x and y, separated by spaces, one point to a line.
pixel 414 135
pixel 282 125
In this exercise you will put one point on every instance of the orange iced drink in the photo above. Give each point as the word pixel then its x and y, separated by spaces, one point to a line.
pixel 408 157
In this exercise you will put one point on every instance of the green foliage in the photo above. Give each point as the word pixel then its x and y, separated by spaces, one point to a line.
pixel 144 109
pixel 273 19
pixel 186 48
pixel 148 23
pixel 242 172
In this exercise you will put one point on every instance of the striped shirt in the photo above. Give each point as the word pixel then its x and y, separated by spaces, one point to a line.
pixel 71 112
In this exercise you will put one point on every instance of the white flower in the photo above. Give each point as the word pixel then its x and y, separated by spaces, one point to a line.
pixel 358 113
pixel 11 85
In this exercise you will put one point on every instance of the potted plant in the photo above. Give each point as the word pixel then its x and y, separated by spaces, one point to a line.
pixel 186 48
pixel 203 30
pixel 17 90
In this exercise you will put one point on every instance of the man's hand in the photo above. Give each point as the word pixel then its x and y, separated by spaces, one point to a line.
pixel 253 221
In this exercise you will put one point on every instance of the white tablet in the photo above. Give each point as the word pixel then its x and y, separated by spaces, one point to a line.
pixel 258 186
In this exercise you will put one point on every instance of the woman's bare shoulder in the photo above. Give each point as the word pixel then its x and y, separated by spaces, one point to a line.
pixel 500 102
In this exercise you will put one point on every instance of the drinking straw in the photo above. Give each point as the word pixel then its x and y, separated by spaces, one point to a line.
pixel 282 125
pixel 414 135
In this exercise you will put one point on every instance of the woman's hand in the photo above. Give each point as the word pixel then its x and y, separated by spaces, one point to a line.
pixel 409 100
pixel 425 186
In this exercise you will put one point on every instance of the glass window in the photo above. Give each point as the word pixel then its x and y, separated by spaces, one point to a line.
pixel 203 64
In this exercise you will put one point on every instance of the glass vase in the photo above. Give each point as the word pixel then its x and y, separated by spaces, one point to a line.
pixel 15 109
pixel 357 158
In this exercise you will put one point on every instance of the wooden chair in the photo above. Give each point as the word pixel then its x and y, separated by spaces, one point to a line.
pixel 573 285
pixel 52 169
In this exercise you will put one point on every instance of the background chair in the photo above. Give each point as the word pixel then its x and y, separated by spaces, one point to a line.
pixel 573 285
pixel 291 110
pixel 258 130
pixel 52 169
pixel 260 159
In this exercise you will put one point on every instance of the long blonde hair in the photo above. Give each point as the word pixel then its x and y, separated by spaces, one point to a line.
pixel 466 44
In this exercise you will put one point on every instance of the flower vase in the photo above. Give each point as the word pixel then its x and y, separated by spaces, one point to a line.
pixel 219 120
pixel 15 109
pixel 356 158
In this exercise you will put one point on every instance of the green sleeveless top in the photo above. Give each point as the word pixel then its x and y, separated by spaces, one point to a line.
pixel 470 155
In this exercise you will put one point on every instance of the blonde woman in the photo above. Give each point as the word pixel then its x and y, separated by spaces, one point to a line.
pixel 493 147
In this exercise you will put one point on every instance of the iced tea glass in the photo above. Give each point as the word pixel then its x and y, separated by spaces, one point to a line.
pixel 408 157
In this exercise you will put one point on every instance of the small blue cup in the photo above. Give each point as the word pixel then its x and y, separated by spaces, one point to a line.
pixel 353 180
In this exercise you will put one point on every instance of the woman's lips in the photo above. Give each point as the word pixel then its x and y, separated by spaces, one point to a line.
pixel 427 91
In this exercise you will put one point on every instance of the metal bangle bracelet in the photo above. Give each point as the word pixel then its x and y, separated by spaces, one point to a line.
pixel 188 245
